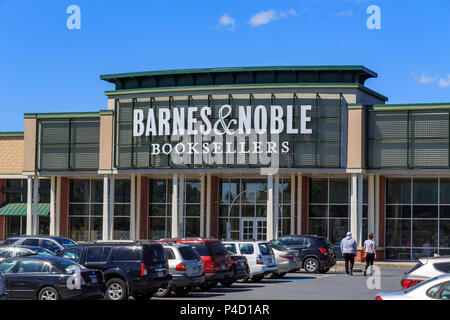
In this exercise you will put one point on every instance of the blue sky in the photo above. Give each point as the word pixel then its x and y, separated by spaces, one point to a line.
pixel 46 67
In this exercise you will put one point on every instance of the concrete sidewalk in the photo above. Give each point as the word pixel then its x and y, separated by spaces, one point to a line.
pixel 359 266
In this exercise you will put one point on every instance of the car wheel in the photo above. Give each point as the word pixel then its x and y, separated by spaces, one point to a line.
pixel 48 293
pixel 163 292
pixel 143 296
pixel 257 278
pixel 311 265
pixel 227 283
pixel 116 289
pixel 182 291
pixel 324 270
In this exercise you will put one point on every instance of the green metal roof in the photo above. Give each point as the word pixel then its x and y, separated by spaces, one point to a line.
pixel 240 75
pixel 63 115
pixel 412 106
pixel 12 134
pixel 20 209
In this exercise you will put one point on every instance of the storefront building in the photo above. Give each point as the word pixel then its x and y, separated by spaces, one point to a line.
pixel 235 153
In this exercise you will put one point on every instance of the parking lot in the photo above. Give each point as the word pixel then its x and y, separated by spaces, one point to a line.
pixel 331 286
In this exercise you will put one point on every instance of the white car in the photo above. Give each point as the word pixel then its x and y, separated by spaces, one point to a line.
pixel 437 288
pixel 259 254
pixel 425 269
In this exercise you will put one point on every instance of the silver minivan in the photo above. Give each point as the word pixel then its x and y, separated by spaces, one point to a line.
pixel 185 267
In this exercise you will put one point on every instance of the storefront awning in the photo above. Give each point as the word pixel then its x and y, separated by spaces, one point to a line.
pixel 20 209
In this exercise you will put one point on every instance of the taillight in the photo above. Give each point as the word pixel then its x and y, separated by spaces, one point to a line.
pixel 209 263
pixel 290 257
pixel 378 298
pixel 180 267
pixel 408 283
pixel 143 269
pixel 259 260
pixel 324 251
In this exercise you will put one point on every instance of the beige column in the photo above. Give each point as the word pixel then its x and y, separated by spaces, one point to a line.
pixel 202 205
pixel 360 201
pixel 35 206
pixel 371 203
pixel 175 206
pixel 299 204
pixel 181 213
pixel 276 206
pixel 52 207
pixel 133 207
pixel 377 209
pixel 354 205
pixel 292 213
pixel 270 225
pixel 29 205
pixel 111 208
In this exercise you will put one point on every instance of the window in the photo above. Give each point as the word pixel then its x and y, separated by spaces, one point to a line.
pixel 122 191
pixel 192 192
pixel 188 253
pixel 6 253
pixel 416 221
pixel 8 266
pixel 432 292
pixel 126 253
pixel 442 266
pixel 85 210
pixel 94 254
pixel 31 242
pixel 160 209
pixel 246 248
pixel 201 248
pixel 265 249
pixel 73 254
pixel 50 245
pixel 444 294
pixel 231 248
pixel 32 266
pixel 23 252
pixel 169 253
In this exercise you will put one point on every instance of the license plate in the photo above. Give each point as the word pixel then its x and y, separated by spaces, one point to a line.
pixel 160 274
pixel 223 267
pixel 270 260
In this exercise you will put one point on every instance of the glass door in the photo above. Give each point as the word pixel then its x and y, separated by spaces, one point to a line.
pixel 253 229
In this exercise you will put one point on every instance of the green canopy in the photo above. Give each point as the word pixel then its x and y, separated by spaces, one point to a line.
pixel 20 209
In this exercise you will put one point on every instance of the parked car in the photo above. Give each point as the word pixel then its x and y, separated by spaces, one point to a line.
pixel 185 267
pixel 217 264
pixel 3 295
pixel 9 252
pixel 426 268
pixel 287 260
pixel 53 244
pixel 315 252
pixel 49 278
pixel 131 268
pixel 241 270
pixel 259 254
pixel 437 288
pixel 38 250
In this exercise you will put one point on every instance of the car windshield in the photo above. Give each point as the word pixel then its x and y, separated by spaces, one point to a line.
pixel 9 242
pixel 66 243
pixel 188 253
pixel 69 266
pixel 278 247
pixel 201 248
pixel 155 252
pixel 322 242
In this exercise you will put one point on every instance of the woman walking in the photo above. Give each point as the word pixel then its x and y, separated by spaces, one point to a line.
pixel 369 250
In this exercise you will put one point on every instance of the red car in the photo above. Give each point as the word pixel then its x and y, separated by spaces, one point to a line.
pixel 217 264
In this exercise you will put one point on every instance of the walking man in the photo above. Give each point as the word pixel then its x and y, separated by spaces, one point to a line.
pixel 348 249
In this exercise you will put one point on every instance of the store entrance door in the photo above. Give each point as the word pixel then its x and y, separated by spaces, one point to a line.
pixel 253 229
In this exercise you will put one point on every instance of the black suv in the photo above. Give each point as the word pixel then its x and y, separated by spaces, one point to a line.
pixel 131 268
pixel 315 252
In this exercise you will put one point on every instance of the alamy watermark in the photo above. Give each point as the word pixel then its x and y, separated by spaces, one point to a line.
pixel 74 20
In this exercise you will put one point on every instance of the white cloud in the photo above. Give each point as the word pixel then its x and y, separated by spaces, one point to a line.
pixel 264 17
pixel 227 21
pixel 346 13
pixel 444 83
pixel 424 79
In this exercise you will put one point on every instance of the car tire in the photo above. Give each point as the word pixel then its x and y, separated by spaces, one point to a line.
pixel 227 283
pixel 163 292
pixel 182 291
pixel 143 296
pixel 116 289
pixel 257 278
pixel 311 265
pixel 324 270
pixel 48 293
